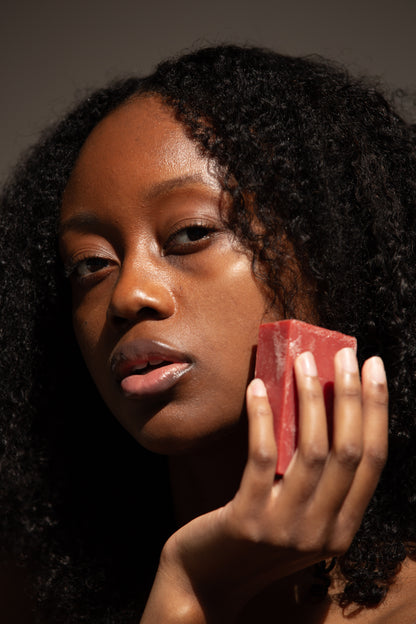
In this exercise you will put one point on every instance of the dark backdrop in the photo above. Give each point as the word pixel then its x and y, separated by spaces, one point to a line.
pixel 52 50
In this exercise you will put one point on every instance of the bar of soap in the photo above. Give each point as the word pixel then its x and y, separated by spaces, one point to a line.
pixel 279 345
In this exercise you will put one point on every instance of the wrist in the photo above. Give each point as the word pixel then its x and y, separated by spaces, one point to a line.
pixel 198 600
pixel 172 599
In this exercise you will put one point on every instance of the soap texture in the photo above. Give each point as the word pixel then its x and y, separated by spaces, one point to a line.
pixel 279 345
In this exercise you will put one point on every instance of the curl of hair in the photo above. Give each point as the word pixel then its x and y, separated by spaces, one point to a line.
pixel 328 169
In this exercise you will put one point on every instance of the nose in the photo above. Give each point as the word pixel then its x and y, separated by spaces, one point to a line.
pixel 141 292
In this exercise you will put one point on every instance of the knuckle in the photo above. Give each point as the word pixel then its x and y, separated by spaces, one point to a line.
pixel 313 393
pixel 376 457
pixel 378 399
pixel 308 546
pixel 376 394
pixel 263 458
pixel 350 392
pixel 349 455
pixel 251 530
pixel 326 539
pixel 263 410
pixel 314 456
pixel 339 547
pixel 289 539
pixel 340 543
pixel 313 541
pixel 248 531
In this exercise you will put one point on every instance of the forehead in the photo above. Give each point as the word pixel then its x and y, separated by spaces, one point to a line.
pixel 139 143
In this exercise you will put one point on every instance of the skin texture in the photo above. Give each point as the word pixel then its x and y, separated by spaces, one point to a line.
pixel 315 155
pixel 229 564
pixel 150 259
pixel 138 184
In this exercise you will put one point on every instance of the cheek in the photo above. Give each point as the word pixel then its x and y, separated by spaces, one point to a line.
pixel 227 319
pixel 88 327
pixel 238 300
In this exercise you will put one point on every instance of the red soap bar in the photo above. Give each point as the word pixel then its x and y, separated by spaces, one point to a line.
pixel 279 345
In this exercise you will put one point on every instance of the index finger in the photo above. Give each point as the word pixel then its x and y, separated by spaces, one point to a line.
pixel 259 473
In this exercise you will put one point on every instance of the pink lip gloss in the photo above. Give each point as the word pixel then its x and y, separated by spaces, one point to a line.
pixel 153 382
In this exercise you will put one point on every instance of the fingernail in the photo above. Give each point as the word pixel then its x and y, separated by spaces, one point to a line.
pixel 257 388
pixel 348 360
pixel 376 370
pixel 308 365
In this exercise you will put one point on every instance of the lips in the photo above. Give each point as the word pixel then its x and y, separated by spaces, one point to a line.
pixel 147 367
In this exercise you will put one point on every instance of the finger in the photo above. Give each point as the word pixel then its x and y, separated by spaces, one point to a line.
pixel 347 439
pixel 375 437
pixel 259 473
pixel 306 467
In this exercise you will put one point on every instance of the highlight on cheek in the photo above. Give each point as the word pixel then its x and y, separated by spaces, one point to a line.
pixel 211 211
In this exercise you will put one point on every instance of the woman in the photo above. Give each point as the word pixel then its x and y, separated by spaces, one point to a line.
pixel 231 187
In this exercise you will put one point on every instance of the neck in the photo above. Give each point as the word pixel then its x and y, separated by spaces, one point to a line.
pixel 208 478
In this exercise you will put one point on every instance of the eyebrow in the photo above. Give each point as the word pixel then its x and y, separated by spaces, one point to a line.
pixel 169 185
pixel 83 222
pixel 86 221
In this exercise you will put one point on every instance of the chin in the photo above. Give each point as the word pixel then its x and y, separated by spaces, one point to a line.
pixel 178 436
pixel 176 425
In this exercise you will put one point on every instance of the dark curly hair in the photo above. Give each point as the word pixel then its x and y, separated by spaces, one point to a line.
pixel 326 165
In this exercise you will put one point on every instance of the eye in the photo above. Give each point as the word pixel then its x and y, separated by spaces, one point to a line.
pixel 85 268
pixel 189 239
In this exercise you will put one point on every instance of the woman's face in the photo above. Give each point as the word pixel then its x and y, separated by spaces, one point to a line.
pixel 165 306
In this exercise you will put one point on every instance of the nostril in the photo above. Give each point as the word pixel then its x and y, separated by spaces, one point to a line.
pixel 145 313
pixel 136 297
pixel 149 312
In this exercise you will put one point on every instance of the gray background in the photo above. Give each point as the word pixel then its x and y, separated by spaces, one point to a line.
pixel 51 51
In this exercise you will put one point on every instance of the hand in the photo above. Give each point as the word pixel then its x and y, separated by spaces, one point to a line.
pixel 273 528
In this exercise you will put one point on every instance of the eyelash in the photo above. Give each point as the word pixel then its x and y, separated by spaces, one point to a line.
pixel 72 267
pixel 171 247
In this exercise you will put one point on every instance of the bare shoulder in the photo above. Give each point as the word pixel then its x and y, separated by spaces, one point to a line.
pixel 291 599
pixel 16 606
pixel 399 605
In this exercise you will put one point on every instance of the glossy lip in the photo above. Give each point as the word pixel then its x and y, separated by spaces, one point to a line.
pixel 135 355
